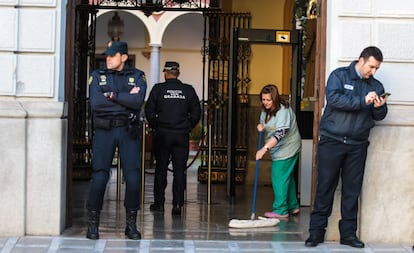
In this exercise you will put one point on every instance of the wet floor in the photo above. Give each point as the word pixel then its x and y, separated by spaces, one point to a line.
pixel 199 220
pixel 202 228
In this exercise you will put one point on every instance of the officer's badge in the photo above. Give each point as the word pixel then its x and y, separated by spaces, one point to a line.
pixel 131 81
pixel 103 80
pixel 109 44
pixel 90 80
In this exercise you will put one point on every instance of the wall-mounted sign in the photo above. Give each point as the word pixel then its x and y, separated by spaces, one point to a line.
pixel 282 36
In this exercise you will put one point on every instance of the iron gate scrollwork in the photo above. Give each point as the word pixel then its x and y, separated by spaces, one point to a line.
pixel 85 30
pixel 220 27
pixel 84 61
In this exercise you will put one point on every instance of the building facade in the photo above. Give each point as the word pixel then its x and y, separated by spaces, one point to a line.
pixel 33 110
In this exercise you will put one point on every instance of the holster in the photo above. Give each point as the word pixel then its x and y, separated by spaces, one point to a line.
pixel 134 126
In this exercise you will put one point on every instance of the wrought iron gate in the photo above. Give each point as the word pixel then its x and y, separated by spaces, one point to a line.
pixel 220 27
pixel 218 50
pixel 85 30
pixel 84 60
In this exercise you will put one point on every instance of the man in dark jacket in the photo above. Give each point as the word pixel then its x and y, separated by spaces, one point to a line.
pixel 172 110
pixel 353 104
pixel 116 95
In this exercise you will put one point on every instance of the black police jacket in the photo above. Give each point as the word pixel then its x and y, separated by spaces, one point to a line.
pixel 120 83
pixel 346 117
pixel 173 106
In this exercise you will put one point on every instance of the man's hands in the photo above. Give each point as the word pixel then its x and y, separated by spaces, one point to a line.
pixel 373 98
pixel 134 90
pixel 110 94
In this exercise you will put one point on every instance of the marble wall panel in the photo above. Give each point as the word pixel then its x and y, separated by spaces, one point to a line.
pixel 393 37
pixel 37 2
pixel 13 169
pixel 37 30
pixel 387 198
pixel 7 73
pixel 46 170
pixel 8 2
pixel 354 35
pixel 395 79
pixel 354 7
pixel 396 8
pixel 35 75
pixel 8 21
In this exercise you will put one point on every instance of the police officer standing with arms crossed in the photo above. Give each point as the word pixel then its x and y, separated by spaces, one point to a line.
pixel 172 110
pixel 116 95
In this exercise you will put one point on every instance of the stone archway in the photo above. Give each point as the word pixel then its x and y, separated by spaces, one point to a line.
pixel 82 25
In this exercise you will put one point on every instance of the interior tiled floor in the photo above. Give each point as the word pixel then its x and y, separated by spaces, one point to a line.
pixel 199 220
pixel 201 228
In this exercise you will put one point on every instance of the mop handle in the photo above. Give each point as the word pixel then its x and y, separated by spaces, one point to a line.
pixel 259 145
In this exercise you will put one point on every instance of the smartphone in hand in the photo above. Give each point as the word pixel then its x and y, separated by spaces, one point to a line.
pixel 385 94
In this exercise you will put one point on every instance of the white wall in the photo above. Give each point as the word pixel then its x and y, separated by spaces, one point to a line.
pixel 30 56
pixel 32 113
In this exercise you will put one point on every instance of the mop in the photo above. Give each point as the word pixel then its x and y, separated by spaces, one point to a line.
pixel 261 221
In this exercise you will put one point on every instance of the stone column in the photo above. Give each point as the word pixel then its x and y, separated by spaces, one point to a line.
pixel 155 66
pixel 45 167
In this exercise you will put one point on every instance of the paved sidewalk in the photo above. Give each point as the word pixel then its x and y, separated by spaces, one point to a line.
pixel 201 228
pixel 82 245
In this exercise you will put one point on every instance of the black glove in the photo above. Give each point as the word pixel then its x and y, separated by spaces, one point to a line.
pixel 134 126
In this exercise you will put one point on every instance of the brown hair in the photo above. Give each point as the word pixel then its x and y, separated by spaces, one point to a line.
pixel 277 100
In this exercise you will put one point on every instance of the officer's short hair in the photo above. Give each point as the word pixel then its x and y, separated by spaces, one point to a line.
pixel 371 51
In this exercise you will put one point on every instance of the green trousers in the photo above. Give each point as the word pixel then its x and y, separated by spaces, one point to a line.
pixel 284 186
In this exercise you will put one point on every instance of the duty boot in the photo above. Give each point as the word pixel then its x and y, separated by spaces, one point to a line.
pixel 93 223
pixel 131 228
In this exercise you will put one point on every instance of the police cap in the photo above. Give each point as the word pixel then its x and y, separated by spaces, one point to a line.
pixel 171 65
pixel 116 47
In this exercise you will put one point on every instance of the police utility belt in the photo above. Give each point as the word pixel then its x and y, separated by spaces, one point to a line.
pixel 108 124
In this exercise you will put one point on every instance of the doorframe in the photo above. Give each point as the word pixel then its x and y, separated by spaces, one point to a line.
pixel 69 79
pixel 320 76
pixel 320 79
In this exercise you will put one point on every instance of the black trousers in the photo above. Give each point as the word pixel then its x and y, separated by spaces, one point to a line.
pixel 338 160
pixel 103 146
pixel 172 146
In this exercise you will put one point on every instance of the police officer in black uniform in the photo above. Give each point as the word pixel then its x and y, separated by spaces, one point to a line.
pixel 116 95
pixel 172 110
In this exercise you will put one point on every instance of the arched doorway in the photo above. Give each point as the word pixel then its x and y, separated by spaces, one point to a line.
pixel 70 77
pixel 87 36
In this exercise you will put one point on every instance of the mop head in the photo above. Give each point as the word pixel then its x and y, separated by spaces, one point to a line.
pixel 260 223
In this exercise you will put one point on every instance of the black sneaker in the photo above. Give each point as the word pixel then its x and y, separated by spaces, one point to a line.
pixel 157 208
pixel 176 210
